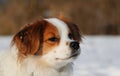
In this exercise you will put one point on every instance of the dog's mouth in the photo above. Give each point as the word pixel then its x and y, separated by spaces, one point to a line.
pixel 74 55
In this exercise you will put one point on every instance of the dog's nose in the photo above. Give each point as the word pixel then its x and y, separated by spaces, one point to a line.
pixel 74 45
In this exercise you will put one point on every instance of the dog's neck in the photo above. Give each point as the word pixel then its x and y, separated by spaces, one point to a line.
pixel 40 68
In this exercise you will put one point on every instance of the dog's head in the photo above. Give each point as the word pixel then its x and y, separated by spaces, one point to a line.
pixel 54 40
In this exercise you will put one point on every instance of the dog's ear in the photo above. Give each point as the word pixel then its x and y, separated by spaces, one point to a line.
pixel 29 40
pixel 74 29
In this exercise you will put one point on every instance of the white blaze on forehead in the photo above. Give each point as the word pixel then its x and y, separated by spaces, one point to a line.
pixel 60 25
pixel 62 51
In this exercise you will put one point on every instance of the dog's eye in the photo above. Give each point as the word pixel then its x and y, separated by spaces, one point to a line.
pixel 70 36
pixel 53 39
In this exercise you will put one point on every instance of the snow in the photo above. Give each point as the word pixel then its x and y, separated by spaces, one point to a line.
pixel 5 42
pixel 100 55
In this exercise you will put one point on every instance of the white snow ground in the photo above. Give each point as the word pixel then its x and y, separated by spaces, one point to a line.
pixel 100 55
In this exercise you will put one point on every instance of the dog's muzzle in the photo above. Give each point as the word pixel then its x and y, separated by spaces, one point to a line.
pixel 75 49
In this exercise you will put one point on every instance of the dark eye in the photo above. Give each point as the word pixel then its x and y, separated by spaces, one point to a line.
pixel 70 36
pixel 53 39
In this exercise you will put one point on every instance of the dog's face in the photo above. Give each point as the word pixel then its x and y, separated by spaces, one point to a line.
pixel 54 40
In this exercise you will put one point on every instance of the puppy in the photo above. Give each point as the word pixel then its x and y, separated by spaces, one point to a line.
pixel 46 47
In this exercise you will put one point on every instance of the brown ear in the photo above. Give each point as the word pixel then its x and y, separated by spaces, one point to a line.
pixel 29 40
pixel 74 29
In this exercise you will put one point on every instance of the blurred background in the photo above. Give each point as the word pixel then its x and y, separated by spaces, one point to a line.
pixel 94 17
pixel 98 20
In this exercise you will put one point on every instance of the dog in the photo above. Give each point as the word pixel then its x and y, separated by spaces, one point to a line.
pixel 46 47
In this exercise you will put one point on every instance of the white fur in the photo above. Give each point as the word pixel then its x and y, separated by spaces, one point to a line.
pixel 55 63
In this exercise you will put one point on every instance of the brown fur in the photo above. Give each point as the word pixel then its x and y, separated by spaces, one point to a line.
pixel 32 39
pixel 50 31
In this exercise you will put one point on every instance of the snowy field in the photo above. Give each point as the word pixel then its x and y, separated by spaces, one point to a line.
pixel 100 55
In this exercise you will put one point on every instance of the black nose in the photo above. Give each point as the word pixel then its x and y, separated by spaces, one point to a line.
pixel 74 45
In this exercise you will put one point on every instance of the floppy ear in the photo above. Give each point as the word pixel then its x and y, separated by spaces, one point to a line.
pixel 74 29
pixel 29 40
